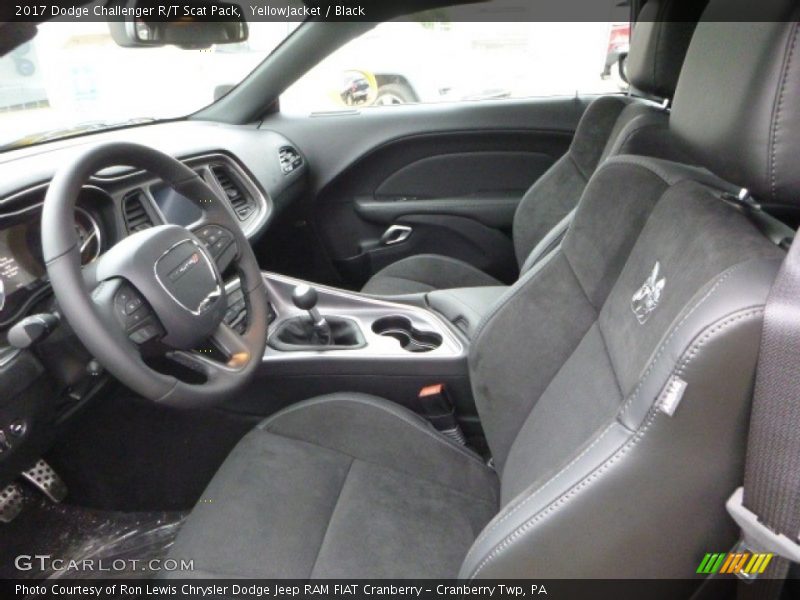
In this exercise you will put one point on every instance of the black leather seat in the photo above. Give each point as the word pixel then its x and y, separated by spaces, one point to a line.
pixel 611 125
pixel 613 382
pixel 341 485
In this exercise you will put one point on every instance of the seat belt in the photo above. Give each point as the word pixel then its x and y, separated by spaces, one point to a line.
pixel 767 507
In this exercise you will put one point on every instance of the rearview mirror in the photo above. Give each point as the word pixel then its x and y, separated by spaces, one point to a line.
pixel 205 25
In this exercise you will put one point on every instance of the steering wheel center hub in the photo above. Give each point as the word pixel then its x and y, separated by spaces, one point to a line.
pixel 189 277
pixel 174 273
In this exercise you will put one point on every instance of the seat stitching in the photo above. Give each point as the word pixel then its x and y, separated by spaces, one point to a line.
pixel 687 358
pixel 635 394
pixel 622 410
pixel 724 276
pixel 610 360
pixel 522 502
pixel 539 266
pixel 779 108
pixel 659 35
pixel 583 289
pixel 330 518
pixel 268 422
pixel 577 167
pixel 533 404
pixel 551 240
pixel 511 293
pixel 454 490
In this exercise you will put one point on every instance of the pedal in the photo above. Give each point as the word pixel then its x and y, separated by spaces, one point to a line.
pixel 11 500
pixel 42 476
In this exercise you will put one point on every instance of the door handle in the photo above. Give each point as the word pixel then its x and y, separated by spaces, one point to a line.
pixel 396 234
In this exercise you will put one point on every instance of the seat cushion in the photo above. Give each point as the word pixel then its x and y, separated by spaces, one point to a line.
pixel 346 485
pixel 425 273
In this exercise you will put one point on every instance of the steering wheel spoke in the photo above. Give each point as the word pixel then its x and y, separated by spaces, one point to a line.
pixel 232 347
pixel 220 243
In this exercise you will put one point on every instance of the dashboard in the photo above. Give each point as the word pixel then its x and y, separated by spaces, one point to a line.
pixel 258 172
pixel 118 202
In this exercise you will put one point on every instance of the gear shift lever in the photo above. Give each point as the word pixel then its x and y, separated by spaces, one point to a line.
pixel 305 298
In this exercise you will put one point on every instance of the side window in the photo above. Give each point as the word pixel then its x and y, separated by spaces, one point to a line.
pixel 415 61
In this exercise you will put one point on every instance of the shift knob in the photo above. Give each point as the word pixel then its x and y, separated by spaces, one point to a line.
pixel 304 297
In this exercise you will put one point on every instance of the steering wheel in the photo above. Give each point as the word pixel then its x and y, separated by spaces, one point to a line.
pixel 166 275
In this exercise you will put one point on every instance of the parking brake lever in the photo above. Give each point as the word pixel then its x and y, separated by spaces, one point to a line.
pixel 305 298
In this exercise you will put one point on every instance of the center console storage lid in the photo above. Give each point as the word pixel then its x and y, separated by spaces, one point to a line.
pixel 465 307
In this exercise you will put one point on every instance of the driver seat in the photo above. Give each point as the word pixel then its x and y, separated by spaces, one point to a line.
pixel 613 380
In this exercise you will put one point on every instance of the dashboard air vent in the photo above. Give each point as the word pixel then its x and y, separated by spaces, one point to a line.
pixel 136 216
pixel 290 159
pixel 241 202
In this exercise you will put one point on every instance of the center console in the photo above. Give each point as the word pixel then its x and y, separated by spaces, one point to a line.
pixel 325 340
pixel 363 328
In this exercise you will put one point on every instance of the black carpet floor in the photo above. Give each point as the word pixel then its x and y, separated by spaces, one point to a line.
pixel 83 537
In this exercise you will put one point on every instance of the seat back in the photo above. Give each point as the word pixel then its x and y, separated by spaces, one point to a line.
pixel 614 379
pixel 610 126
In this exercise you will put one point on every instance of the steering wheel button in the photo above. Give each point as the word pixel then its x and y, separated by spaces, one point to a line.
pixel 138 337
pixel 144 334
pixel 132 305
pixel 136 318
pixel 219 246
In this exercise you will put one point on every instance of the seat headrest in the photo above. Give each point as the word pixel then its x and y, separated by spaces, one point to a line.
pixel 736 108
pixel 659 43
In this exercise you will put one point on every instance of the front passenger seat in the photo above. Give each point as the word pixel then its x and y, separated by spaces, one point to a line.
pixel 610 126
pixel 613 383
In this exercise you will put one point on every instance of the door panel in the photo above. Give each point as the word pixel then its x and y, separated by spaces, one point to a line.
pixel 464 174
pixel 493 209
pixel 484 247
pixel 454 174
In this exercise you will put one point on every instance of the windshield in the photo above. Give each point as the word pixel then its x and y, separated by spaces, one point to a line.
pixel 72 78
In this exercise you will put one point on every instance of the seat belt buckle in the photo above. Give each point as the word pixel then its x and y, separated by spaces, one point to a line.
pixel 757 537
pixel 438 408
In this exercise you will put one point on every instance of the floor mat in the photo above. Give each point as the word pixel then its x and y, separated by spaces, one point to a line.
pixel 89 543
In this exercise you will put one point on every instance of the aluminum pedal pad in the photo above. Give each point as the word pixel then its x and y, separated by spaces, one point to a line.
pixel 42 476
pixel 11 501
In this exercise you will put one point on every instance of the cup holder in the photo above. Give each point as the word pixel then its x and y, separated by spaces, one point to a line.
pixel 410 338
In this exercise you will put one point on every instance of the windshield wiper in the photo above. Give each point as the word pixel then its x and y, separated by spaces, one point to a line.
pixel 75 130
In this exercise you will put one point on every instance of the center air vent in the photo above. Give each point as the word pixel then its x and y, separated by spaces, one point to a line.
pixel 241 202
pixel 290 159
pixel 136 216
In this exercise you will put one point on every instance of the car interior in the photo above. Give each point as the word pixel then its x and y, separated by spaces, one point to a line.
pixel 492 339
